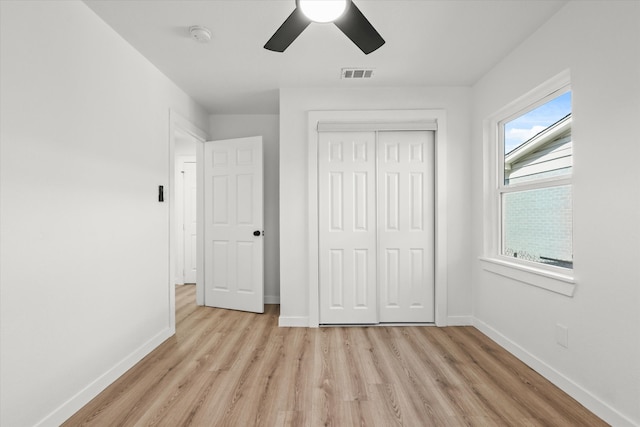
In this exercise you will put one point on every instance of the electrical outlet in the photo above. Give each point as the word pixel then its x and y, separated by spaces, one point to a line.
pixel 562 335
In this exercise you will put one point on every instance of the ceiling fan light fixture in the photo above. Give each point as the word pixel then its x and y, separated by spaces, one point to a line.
pixel 344 14
pixel 322 11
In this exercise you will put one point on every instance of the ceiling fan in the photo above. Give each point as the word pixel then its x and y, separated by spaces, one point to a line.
pixel 343 13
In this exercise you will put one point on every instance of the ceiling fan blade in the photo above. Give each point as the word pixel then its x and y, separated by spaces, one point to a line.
pixel 358 28
pixel 290 29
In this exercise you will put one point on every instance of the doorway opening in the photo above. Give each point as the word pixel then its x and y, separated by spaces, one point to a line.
pixel 185 208
pixel 184 138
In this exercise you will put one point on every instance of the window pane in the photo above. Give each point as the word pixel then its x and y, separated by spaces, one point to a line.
pixel 537 144
pixel 538 225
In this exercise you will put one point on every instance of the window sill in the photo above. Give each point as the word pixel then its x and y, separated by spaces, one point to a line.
pixel 549 280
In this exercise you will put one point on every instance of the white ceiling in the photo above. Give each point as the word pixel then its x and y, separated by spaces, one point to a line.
pixel 428 43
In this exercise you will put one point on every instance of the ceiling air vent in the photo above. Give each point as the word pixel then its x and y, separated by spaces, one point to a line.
pixel 356 73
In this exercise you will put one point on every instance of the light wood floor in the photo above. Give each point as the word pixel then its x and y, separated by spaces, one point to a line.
pixel 227 368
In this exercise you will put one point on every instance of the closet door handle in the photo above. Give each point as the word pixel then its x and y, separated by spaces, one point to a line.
pixel 257 233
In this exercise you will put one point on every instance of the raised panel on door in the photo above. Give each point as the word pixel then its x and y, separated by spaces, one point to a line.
pixel 233 204
pixel 406 226
pixel 347 236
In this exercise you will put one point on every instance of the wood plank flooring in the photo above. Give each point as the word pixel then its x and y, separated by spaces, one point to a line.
pixel 227 368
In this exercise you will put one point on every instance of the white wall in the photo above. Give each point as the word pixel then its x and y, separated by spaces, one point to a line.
pixel 84 248
pixel 184 145
pixel 294 105
pixel 227 126
pixel 599 43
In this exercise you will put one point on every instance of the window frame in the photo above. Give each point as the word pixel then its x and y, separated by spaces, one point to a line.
pixel 556 279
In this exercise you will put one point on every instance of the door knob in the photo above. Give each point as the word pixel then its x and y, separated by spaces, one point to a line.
pixel 257 233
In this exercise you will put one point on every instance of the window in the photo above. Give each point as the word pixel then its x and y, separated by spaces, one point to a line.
pixel 528 197
pixel 535 160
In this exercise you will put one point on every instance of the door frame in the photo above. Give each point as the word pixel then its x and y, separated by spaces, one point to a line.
pixel 396 119
pixel 178 123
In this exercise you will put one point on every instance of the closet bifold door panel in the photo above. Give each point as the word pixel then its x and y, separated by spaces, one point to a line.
pixel 376 227
pixel 406 236
pixel 347 227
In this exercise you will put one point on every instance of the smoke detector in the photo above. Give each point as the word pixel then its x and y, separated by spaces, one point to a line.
pixel 356 73
pixel 200 34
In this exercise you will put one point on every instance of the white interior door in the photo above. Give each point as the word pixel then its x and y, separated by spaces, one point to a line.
pixel 233 224
pixel 189 216
pixel 347 222
pixel 406 276
pixel 376 227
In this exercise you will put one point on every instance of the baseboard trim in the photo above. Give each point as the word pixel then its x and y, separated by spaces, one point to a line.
pixel 293 322
pixel 84 396
pixel 586 398
pixel 459 321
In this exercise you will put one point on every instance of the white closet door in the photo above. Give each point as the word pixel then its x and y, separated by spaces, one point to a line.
pixel 406 226
pixel 347 223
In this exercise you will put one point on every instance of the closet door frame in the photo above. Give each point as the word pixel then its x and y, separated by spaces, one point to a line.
pixel 381 120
